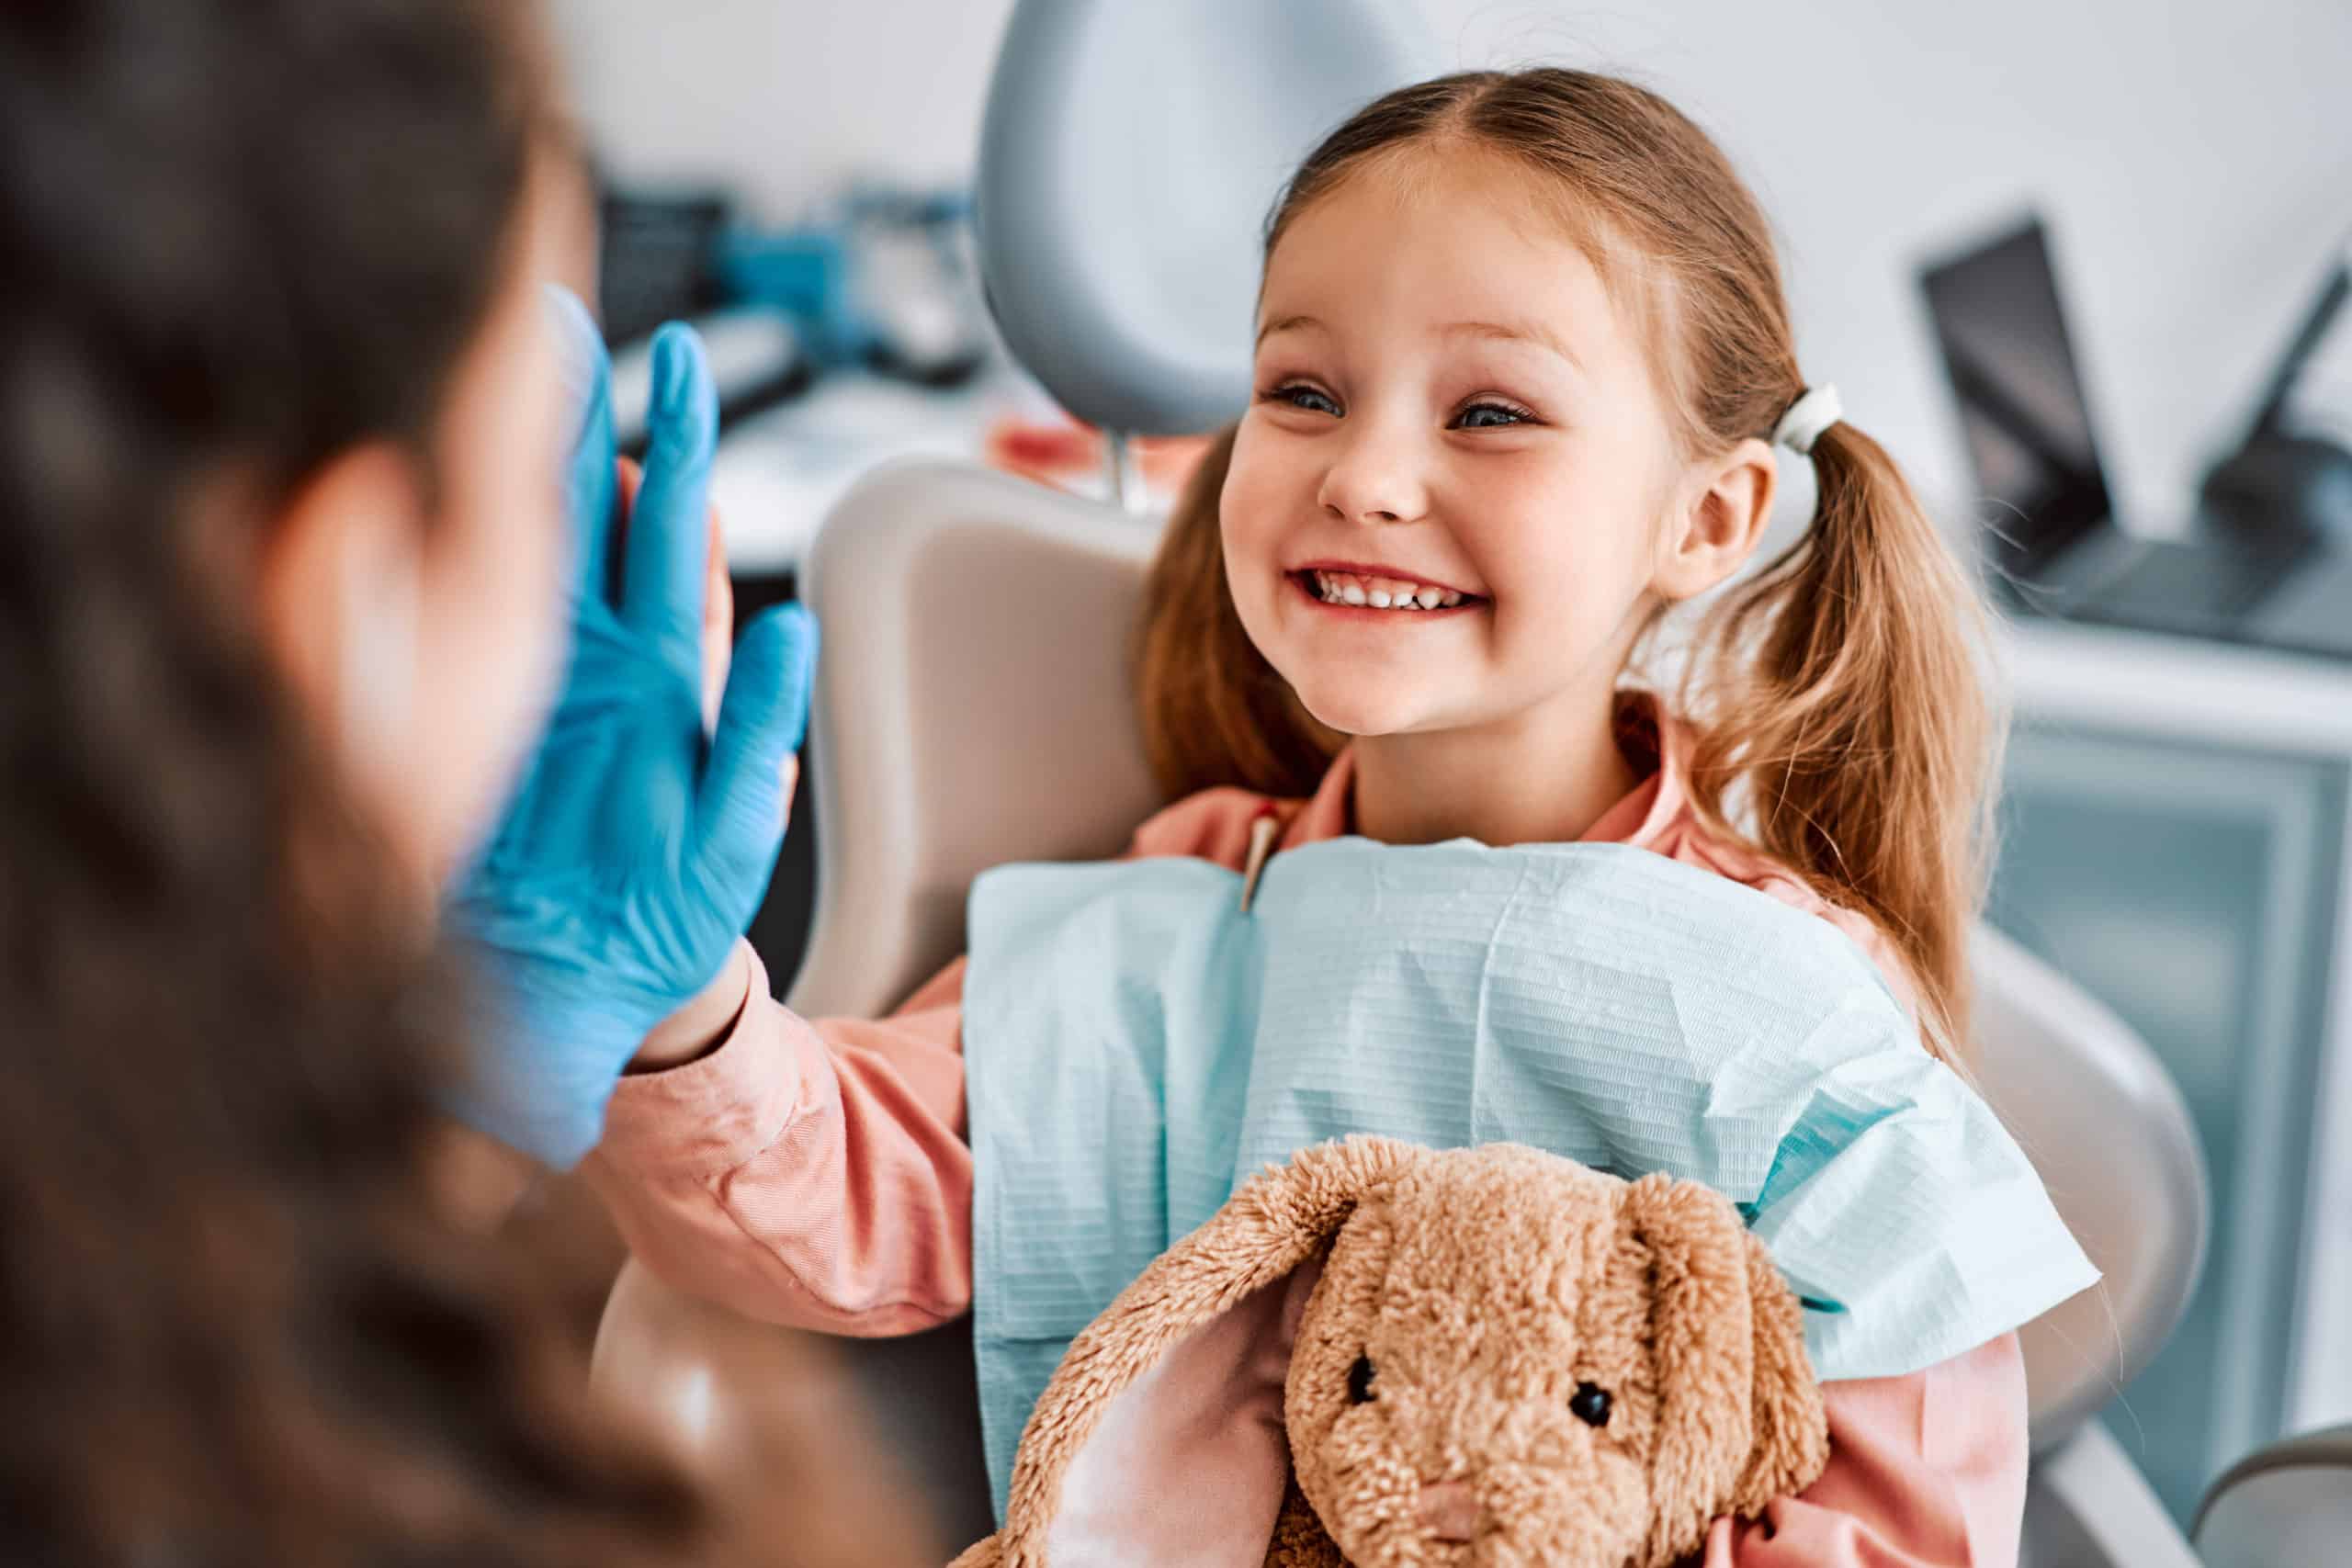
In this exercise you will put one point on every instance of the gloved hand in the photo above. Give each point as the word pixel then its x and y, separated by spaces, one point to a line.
pixel 636 851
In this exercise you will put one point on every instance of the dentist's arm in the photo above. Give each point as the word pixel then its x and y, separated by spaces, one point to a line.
pixel 637 847
pixel 815 1174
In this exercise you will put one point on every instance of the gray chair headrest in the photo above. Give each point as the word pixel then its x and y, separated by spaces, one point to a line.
pixel 1129 156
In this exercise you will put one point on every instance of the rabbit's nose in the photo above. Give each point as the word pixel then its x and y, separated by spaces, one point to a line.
pixel 1449 1510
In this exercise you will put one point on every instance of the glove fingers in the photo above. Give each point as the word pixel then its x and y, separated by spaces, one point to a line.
pixel 590 486
pixel 762 720
pixel 538 1080
pixel 668 543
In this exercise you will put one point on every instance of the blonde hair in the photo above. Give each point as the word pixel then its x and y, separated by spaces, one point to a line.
pixel 1836 701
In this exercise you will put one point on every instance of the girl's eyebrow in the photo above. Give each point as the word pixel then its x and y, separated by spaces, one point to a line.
pixel 1536 332
pixel 1287 324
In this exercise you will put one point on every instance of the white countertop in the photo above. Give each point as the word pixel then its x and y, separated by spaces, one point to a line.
pixel 2217 693
pixel 778 474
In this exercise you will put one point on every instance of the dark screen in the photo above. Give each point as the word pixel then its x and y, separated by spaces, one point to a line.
pixel 2028 430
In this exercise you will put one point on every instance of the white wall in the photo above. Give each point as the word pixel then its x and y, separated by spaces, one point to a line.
pixel 2195 159
pixel 781 100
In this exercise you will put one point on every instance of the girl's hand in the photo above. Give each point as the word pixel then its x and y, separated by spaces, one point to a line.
pixel 697 1028
pixel 638 848
pixel 718 598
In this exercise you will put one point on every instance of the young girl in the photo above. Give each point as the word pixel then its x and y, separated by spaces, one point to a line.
pixel 1522 359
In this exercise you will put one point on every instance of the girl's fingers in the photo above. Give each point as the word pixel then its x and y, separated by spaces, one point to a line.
pixel 746 788
pixel 717 624
pixel 717 597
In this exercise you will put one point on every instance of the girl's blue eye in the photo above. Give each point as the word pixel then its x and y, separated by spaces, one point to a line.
pixel 1298 395
pixel 1470 418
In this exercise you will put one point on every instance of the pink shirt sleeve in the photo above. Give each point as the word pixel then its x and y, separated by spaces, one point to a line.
pixel 1927 1469
pixel 808 1173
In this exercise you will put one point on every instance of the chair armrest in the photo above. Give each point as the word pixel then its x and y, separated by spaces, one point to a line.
pixel 2088 1504
pixel 2288 1502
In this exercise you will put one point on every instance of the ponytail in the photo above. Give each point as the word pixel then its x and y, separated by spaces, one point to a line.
pixel 1839 705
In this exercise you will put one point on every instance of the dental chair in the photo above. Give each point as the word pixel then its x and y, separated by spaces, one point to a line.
pixel 972 708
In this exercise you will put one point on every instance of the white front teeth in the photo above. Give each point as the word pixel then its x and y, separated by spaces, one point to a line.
pixel 1381 592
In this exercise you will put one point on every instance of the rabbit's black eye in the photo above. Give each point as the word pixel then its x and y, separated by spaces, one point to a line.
pixel 1360 1382
pixel 1589 1405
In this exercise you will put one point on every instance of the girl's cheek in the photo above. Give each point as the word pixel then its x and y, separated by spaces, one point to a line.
pixel 1243 511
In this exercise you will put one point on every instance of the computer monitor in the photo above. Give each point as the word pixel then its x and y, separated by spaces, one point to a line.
pixel 2012 367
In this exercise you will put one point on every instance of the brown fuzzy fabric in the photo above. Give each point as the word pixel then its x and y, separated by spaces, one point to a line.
pixel 1300 1541
pixel 1486 1288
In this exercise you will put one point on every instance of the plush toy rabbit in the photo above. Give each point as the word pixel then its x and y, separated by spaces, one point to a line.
pixel 1387 1357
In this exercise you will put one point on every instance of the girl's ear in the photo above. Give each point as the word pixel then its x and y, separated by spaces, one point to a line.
pixel 1160 1437
pixel 1722 508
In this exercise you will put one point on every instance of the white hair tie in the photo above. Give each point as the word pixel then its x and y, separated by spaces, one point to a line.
pixel 1807 418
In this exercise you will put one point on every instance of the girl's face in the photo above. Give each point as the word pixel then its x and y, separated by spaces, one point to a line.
pixel 1448 407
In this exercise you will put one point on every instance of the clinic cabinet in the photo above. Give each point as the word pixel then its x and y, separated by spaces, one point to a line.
pixel 2188 869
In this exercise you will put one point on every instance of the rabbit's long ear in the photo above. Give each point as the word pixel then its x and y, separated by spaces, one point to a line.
pixel 1703 1347
pixel 1160 1437
pixel 1789 1443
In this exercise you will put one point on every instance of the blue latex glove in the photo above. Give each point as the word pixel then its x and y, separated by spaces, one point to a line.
pixel 636 850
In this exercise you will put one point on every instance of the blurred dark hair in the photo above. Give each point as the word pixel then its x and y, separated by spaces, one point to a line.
pixel 239 236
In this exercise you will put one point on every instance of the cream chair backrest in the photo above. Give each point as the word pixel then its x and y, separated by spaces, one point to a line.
pixel 972 708
pixel 2111 1138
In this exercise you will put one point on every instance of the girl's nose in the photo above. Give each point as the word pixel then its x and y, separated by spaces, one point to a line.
pixel 1372 481
pixel 1449 1510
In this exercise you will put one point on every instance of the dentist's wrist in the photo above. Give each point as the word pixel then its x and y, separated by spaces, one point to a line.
pixel 703 1024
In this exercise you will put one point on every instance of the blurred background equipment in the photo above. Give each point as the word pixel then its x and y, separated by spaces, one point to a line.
pixel 2268 559
pixel 654 255
pixel 2293 469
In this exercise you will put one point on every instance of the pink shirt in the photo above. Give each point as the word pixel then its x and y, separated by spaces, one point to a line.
pixel 815 1173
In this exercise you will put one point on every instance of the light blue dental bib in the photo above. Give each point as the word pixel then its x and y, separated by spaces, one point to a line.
pixel 1135 1046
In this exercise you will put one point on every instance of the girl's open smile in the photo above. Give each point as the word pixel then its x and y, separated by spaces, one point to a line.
pixel 1367 594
